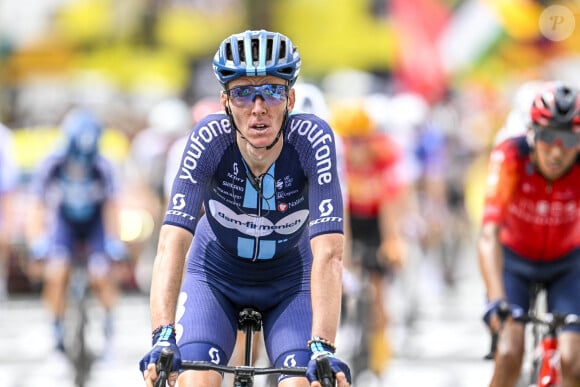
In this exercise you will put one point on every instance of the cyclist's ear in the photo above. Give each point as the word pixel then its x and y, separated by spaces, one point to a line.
pixel 291 99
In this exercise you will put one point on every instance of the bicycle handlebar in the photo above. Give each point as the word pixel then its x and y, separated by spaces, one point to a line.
pixel 552 321
pixel 323 370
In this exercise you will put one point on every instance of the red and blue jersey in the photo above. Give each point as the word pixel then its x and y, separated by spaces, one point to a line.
pixel 539 219
pixel 374 173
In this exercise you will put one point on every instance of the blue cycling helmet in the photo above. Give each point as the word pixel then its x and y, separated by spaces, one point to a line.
pixel 271 53
pixel 83 132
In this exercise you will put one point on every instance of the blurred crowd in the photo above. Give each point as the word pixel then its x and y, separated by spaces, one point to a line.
pixel 414 139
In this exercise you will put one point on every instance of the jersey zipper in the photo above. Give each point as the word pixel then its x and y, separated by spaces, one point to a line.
pixel 256 183
pixel 259 221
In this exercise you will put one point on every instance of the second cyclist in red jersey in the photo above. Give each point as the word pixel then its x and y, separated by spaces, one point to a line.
pixel 531 228
pixel 376 204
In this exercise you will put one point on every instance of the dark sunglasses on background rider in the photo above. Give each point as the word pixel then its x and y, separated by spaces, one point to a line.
pixel 244 96
pixel 551 136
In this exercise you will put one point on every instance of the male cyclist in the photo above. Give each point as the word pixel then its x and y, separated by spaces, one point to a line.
pixel 531 228
pixel 271 237
pixel 73 213
pixel 376 204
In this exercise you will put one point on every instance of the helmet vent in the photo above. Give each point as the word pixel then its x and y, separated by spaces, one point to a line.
pixel 256 50
pixel 227 73
pixel 565 100
pixel 286 70
pixel 282 51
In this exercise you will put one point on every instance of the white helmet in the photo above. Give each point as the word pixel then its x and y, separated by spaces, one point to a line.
pixel 170 117
pixel 518 118
pixel 310 99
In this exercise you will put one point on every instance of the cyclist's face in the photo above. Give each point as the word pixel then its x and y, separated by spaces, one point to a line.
pixel 360 151
pixel 554 160
pixel 257 105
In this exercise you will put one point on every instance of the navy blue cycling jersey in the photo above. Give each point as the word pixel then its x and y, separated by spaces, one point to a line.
pixel 75 193
pixel 259 217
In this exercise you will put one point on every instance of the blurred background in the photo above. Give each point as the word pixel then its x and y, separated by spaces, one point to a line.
pixel 463 68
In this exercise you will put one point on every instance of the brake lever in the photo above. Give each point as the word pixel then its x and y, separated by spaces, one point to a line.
pixel 324 372
pixel 163 367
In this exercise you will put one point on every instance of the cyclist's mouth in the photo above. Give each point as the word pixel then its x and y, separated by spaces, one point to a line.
pixel 260 129
pixel 554 166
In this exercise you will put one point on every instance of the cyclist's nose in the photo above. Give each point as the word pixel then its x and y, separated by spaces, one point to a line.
pixel 259 104
pixel 557 148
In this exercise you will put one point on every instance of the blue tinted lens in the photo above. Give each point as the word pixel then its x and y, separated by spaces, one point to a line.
pixel 244 96
pixel 551 136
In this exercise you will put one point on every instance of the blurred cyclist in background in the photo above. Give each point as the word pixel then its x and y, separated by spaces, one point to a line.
pixel 531 228
pixel 376 196
pixel 169 120
pixel 144 188
pixel 74 213
pixel 9 176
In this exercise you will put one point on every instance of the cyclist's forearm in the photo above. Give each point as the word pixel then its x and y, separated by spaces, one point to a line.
pixel 491 261
pixel 326 284
pixel 392 211
pixel 167 273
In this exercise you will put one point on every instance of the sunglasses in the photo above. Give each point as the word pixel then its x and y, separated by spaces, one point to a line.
pixel 550 136
pixel 244 96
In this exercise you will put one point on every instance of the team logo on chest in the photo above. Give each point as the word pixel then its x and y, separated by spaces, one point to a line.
pixel 256 226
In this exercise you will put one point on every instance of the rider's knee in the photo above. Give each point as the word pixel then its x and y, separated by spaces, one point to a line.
pixel 569 343
pixel 509 358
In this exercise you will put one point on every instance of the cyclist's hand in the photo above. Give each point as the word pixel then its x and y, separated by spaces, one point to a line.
pixel 339 368
pixel 39 248
pixel 498 311
pixel 490 314
pixel 115 249
pixel 162 338
pixel 393 252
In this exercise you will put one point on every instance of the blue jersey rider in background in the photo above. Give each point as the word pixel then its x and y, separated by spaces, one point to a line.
pixel 73 215
pixel 271 236
pixel 9 180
